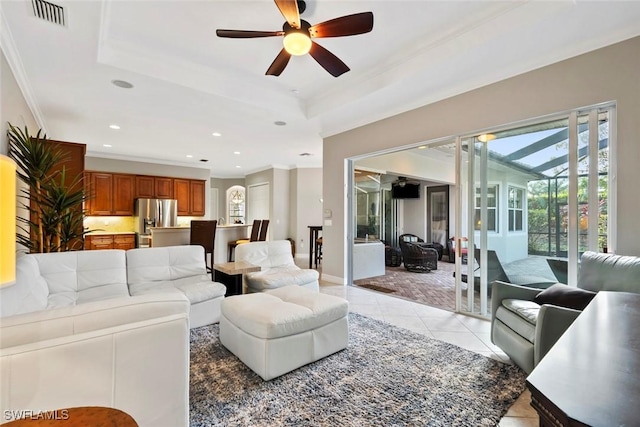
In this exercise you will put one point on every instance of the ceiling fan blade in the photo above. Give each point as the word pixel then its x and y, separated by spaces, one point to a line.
pixel 289 9
pixel 328 60
pixel 278 64
pixel 349 25
pixel 244 34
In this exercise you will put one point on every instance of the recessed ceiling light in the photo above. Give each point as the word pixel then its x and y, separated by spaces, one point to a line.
pixel 238 166
pixel 123 84
pixel 216 134
pixel 189 156
pixel 422 147
pixel 280 123
pixel 116 127
pixel 107 145
pixel 236 152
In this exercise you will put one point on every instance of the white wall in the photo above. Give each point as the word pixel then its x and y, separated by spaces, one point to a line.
pixel 604 75
pixel 405 163
pixel 306 207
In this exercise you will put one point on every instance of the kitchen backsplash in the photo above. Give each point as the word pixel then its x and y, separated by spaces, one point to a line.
pixel 185 221
pixel 124 223
pixel 109 223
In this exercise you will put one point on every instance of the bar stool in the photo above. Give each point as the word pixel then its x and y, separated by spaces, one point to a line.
pixel 258 234
pixel 203 233
pixel 318 251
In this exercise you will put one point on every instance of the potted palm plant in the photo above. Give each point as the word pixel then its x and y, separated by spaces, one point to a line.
pixel 53 202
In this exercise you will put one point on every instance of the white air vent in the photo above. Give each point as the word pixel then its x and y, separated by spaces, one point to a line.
pixel 49 12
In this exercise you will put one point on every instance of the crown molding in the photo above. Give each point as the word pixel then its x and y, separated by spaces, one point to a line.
pixel 10 51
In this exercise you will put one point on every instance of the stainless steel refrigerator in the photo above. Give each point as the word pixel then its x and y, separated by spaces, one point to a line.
pixel 153 213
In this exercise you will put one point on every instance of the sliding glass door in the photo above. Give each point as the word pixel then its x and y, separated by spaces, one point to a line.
pixel 532 199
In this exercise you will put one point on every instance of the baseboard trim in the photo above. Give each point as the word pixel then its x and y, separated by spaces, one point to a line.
pixel 333 279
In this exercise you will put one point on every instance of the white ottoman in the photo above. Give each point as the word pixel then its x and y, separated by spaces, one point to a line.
pixel 277 331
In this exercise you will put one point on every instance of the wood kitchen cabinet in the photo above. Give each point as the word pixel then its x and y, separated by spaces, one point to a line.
pixel 110 241
pixel 197 192
pixel 114 194
pixel 153 187
pixel 190 194
pixel 163 187
pixel 124 241
pixel 111 194
pixel 181 191
pixel 122 195
pixel 145 187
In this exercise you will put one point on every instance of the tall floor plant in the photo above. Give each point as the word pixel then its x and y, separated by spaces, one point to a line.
pixel 54 205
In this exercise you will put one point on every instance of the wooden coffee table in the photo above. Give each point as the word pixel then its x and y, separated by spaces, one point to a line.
pixel 230 275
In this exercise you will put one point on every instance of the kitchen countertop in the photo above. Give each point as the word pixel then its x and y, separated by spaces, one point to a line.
pixel 187 227
pixel 108 233
pixel 169 228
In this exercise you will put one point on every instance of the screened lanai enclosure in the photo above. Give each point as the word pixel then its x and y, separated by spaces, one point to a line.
pixel 530 198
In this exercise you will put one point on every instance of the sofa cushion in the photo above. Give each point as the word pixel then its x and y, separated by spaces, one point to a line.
pixel 196 288
pixel 609 272
pixel 28 294
pixel 83 276
pixel 521 316
pixel 266 254
pixel 565 296
pixel 281 276
pixel 167 263
pixel 201 290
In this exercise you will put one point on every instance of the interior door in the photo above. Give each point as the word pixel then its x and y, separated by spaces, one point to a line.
pixel 438 214
pixel 258 202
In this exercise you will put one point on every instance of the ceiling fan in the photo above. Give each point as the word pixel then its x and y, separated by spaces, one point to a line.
pixel 298 33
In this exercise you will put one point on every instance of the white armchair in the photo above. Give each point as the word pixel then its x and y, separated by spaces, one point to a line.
pixel 277 267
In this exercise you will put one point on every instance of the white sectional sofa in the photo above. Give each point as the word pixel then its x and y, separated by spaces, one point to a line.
pixel 277 267
pixel 179 269
pixel 105 328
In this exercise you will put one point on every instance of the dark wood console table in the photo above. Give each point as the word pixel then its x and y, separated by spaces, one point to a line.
pixel 590 376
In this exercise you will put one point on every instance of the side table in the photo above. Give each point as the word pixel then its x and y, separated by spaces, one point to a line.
pixel 86 416
pixel 230 275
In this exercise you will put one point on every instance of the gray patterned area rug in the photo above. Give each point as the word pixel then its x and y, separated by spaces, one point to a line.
pixel 387 376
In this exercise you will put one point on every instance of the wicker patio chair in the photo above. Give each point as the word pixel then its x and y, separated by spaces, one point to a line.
pixel 419 259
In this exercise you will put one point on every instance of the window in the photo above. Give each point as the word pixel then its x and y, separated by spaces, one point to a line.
pixel 492 208
pixel 516 208
pixel 235 204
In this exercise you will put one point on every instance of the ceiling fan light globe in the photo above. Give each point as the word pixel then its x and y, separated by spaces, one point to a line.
pixel 297 43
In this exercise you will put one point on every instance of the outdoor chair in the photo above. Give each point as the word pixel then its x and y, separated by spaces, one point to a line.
pixel 495 271
pixel 451 249
pixel 417 258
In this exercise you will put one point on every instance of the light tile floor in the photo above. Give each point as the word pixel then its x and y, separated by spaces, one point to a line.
pixel 464 331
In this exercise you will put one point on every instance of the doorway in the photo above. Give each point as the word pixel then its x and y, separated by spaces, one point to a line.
pixel 529 194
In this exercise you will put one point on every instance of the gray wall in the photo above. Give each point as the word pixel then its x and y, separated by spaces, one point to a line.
pixel 223 184
pixel 604 75
pixel 14 109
